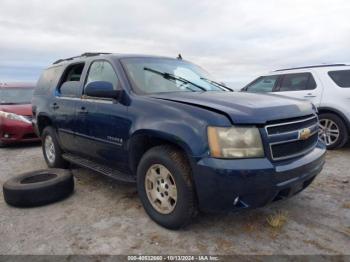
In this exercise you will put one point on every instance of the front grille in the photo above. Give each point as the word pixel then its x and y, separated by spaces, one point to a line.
pixel 30 136
pixel 293 148
pixel 293 137
pixel 292 125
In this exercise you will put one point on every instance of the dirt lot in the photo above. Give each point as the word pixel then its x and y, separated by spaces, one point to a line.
pixel 105 217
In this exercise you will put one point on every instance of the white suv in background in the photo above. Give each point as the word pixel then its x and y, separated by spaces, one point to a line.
pixel 326 86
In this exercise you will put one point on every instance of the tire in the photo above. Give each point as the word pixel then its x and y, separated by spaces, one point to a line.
pixel 332 142
pixel 55 161
pixel 184 209
pixel 38 188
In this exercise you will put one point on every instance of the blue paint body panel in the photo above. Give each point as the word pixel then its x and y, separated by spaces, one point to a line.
pixel 255 181
pixel 103 131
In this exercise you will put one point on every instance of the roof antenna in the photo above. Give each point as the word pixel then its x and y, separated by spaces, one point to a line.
pixel 179 57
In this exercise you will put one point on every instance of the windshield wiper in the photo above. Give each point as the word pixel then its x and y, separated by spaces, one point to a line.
pixel 221 86
pixel 169 76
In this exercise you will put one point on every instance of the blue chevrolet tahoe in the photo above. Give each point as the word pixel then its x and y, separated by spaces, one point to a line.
pixel 189 142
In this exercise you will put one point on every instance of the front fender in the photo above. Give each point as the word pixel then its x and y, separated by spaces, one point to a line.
pixel 181 124
pixel 192 140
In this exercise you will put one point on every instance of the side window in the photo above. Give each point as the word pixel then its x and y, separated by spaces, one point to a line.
pixel 341 78
pixel 263 84
pixel 70 82
pixel 297 82
pixel 102 71
pixel 48 79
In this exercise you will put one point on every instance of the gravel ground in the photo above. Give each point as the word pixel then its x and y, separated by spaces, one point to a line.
pixel 106 217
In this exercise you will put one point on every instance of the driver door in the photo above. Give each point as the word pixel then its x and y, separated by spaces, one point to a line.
pixel 263 84
pixel 103 125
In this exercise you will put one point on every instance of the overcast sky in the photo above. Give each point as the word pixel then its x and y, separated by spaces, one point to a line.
pixel 234 40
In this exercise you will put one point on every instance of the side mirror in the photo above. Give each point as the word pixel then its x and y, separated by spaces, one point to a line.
pixel 102 89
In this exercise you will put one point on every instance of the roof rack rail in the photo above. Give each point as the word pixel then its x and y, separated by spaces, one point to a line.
pixel 94 54
pixel 88 54
pixel 313 66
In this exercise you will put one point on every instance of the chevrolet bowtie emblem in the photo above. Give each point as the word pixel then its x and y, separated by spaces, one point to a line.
pixel 304 133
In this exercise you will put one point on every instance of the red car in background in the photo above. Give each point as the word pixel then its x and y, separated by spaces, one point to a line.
pixel 16 113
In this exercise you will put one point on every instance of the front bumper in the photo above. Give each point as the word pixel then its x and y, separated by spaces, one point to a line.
pixel 15 131
pixel 256 182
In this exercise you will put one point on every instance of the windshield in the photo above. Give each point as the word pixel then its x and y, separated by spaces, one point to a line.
pixel 159 75
pixel 16 95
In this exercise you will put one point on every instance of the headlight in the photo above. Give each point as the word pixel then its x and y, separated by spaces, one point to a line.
pixel 13 116
pixel 235 142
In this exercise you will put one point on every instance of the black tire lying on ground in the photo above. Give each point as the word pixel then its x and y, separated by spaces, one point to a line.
pixel 38 188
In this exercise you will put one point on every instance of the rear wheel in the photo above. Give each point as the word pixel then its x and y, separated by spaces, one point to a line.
pixel 165 187
pixel 51 149
pixel 333 131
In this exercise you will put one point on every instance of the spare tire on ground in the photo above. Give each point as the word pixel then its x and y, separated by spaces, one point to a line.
pixel 38 188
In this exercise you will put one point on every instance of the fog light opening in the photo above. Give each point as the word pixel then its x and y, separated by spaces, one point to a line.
pixel 7 135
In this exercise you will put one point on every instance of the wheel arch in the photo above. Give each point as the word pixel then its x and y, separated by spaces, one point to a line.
pixel 143 140
pixel 43 121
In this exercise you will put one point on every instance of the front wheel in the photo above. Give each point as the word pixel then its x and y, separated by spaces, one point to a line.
pixel 333 132
pixel 165 187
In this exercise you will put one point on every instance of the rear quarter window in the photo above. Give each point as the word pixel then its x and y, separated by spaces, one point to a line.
pixel 48 80
pixel 341 77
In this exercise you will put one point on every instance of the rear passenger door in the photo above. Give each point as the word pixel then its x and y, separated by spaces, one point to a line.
pixel 103 126
pixel 300 85
pixel 63 105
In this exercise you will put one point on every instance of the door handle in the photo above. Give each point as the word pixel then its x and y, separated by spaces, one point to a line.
pixel 309 95
pixel 55 106
pixel 83 110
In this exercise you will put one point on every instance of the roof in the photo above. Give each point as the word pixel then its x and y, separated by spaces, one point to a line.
pixel 103 54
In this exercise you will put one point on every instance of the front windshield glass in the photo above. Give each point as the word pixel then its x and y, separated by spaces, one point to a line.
pixel 16 95
pixel 159 75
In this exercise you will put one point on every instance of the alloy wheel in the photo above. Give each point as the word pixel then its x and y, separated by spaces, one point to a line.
pixel 50 149
pixel 329 131
pixel 161 188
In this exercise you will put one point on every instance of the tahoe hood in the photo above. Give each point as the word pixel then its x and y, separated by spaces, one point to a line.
pixel 243 108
